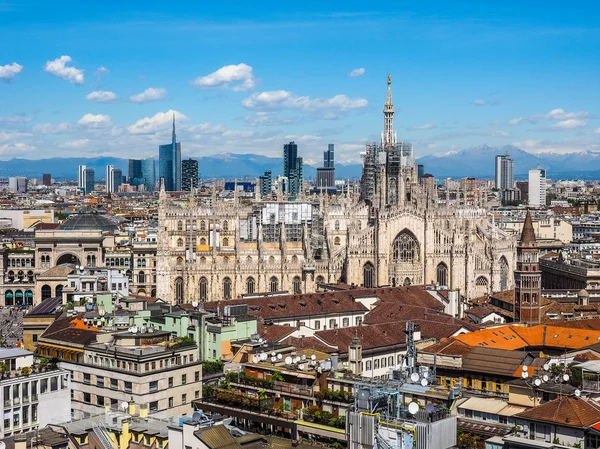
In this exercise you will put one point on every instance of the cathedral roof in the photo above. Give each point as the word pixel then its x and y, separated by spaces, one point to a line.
pixel 88 219
pixel 528 233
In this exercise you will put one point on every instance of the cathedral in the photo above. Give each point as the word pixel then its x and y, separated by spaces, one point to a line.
pixel 394 230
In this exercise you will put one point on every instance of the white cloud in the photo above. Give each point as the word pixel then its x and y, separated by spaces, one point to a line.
pixel 528 144
pixel 102 96
pixel 554 114
pixel 150 94
pixel 235 77
pixel 8 71
pixel 424 127
pixel 58 68
pixel 51 128
pixel 479 102
pixel 597 130
pixel 14 120
pixel 95 120
pixel 5 137
pixel 16 149
pixel 357 72
pixel 159 122
pixel 206 128
pixel 283 99
pixel 569 124
pixel 79 143
pixel 101 71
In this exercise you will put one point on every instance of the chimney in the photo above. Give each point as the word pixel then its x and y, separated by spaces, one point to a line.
pixel 334 361
pixel 355 356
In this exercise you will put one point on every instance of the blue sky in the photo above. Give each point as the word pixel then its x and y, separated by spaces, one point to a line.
pixel 103 78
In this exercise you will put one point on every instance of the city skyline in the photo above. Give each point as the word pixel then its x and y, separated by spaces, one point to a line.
pixel 478 75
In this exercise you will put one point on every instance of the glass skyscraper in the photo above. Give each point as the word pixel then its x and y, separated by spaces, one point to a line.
pixel 142 172
pixel 169 163
pixel 189 170
pixel 292 167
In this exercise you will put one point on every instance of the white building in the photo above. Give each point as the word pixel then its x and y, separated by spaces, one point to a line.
pixel 81 177
pixel 32 400
pixel 17 184
pixel 110 179
pixel 504 172
pixel 84 283
pixel 537 187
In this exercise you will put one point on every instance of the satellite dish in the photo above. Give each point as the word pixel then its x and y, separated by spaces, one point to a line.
pixel 296 359
pixel 566 377
pixel 413 408
pixel 263 356
pixel 125 405
pixel 101 312
pixel 537 382
pixel 426 374
pixel 524 374
pixel 301 367
pixel 546 367
pixel 545 378
pixel 288 360
pixel 254 359
pixel 414 377
pixel 430 408
pixel 303 357
pixel 525 367
pixel 578 393
pixel 279 356
pixel 313 357
pixel 90 300
pixel 424 382
pixel 195 304
pixel 273 359
pixel 273 353
pixel 196 416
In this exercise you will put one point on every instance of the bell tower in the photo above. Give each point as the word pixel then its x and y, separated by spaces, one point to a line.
pixel 528 277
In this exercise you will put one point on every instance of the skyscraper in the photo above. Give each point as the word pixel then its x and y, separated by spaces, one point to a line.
pixel 169 164
pixel 326 174
pixel 109 178
pixel 265 183
pixel 117 179
pixel 142 174
pixel 537 187
pixel 90 180
pixel 328 161
pixel 504 172
pixel 47 179
pixel 292 167
pixel 189 174
pixel 81 177
pixel 17 184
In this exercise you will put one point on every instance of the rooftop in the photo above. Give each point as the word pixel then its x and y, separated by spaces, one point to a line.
pixel 565 410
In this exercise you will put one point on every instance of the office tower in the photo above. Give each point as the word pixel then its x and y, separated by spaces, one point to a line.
pixel 117 179
pixel 81 177
pixel 47 179
pixel 328 157
pixel 265 183
pixel 142 174
pixel 528 277
pixel 109 179
pixel 537 187
pixel 90 181
pixel 189 175
pixel 504 172
pixel 169 164
pixel 420 172
pixel 292 167
pixel 17 184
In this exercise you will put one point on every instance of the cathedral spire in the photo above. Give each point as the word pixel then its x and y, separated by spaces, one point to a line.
pixel 389 137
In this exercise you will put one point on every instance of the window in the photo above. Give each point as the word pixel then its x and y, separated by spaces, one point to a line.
pixel 332 323
pixel 183 379
pixel 179 243
pixel 87 398
pixel 86 378
pixel 317 324
pixel 128 387
pixel 141 278
pixel 183 398
pixel 337 225
pixel 273 285
pixel 368 365
pixel 179 290
pixel 503 273
pixel 203 288
pixel 153 406
pixel 376 364
pixel 100 400
pixel 171 402
pixel 153 386
pixel 225 226
pixel 114 384
pixel 405 247
pixel 202 225
pixel 227 288
pixel 100 381
pixel 170 382
pixel 442 274
pixel 180 226
pixel 250 284
pixel 336 241
pixel 369 275
pixel 346 322
pixel 383 362
pixel 390 361
pixel 197 394
pixel 197 376
pixel 225 242
pixel 297 284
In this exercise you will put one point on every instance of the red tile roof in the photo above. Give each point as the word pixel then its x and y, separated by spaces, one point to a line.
pixel 567 411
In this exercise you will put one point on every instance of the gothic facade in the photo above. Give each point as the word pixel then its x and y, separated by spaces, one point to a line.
pixel 395 231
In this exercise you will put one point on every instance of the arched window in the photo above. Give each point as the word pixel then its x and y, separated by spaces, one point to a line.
pixel 271 260
pixel 320 279
pixel 442 274
pixel 294 259
pixel 202 225
pixel 180 243
pixel 337 225
pixel 359 225
pixel 203 241
pixel 407 282
pixel 29 297
pixel 273 284
pixel 30 276
pixel 179 290
pixel 19 297
pixel 227 288
pixel 297 284
pixel 481 281
pixel 203 289
pixel 249 259
pixel 405 247
pixel 180 261
pixel 46 292
pixel 336 241
pixel 9 298
pixel 141 278
pixel 250 285
pixel 11 276
pixel 225 242
pixel 369 275
pixel 20 275
pixel 503 273
pixel 203 260
pixel 58 290
pixel 225 260
pixel 225 226
pixel 180 226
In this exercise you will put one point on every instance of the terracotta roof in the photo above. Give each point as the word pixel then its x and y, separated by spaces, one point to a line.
pixel 565 410
pixel 70 330
pixel 312 343
pixel 528 233
pixel 450 346
pixel 274 333
pixel 501 362
pixel 480 311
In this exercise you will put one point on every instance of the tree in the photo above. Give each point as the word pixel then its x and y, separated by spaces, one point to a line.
pixel 465 440
pixel 3 370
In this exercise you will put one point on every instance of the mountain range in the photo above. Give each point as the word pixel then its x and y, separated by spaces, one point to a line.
pixel 476 162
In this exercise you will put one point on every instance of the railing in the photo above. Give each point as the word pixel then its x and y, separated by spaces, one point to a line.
pixel 286 387
pixel 101 433
pixel 591 385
